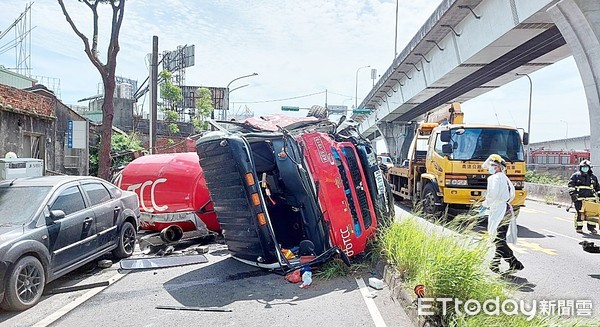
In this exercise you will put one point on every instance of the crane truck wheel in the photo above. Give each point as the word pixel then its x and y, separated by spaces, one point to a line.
pixel 429 200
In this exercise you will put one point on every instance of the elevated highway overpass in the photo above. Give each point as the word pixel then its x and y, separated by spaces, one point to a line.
pixel 469 47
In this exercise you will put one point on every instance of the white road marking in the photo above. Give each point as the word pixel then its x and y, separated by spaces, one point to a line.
pixel 375 314
pixel 564 219
pixel 563 235
pixel 67 308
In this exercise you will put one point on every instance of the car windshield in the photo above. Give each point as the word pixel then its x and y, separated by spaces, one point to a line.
pixel 479 143
pixel 19 204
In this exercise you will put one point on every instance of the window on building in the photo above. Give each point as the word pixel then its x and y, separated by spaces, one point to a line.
pixel 33 146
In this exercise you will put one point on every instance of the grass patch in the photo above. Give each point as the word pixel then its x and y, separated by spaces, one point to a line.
pixel 337 268
pixel 447 266
pixel 452 266
pixel 534 177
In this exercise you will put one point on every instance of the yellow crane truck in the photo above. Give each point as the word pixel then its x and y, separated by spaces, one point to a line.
pixel 443 169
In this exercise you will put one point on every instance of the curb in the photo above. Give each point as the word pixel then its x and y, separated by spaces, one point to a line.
pixel 393 279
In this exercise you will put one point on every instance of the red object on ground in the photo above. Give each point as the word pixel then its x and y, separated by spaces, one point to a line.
pixel 168 186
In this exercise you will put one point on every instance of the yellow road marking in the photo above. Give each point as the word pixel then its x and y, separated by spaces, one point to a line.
pixel 518 249
pixel 536 247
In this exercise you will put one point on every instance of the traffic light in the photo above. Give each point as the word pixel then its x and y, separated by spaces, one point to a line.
pixel 290 108
pixel 361 111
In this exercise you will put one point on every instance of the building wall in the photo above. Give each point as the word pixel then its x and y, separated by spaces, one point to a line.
pixel 574 143
pixel 34 124
pixel 13 79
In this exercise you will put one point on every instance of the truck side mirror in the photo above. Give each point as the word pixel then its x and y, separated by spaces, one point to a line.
pixel 525 138
pixel 447 148
pixel 445 136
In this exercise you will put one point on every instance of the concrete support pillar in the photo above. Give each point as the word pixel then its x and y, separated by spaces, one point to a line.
pixel 396 136
pixel 579 23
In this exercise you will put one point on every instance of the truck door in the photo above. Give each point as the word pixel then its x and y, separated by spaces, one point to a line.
pixel 238 201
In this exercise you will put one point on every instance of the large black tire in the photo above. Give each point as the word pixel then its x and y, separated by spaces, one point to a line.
pixel 24 284
pixel 429 198
pixel 125 242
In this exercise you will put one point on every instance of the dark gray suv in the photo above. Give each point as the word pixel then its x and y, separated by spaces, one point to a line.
pixel 52 225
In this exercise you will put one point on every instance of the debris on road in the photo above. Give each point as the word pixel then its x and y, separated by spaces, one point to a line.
pixel 185 308
pixel 105 264
pixel 590 247
pixel 294 276
pixel 306 279
pixel 376 283
pixel 78 287
pixel 162 262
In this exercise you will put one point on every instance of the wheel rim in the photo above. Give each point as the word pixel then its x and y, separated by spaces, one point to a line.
pixel 128 240
pixel 29 283
pixel 429 205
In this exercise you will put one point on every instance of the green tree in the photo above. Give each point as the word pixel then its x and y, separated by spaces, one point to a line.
pixel 204 109
pixel 106 70
pixel 121 153
pixel 171 95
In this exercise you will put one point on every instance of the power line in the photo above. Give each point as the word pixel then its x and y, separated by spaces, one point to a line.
pixel 284 99
pixel 343 95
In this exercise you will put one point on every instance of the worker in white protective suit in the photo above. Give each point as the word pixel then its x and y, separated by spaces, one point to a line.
pixel 502 225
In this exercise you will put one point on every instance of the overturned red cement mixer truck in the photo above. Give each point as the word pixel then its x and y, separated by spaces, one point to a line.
pixel 172 194
pixel 286 189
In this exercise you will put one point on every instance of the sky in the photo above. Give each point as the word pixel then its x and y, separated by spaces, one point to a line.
pixel 298 48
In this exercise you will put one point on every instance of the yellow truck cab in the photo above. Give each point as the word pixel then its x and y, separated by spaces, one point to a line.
pixel 444 164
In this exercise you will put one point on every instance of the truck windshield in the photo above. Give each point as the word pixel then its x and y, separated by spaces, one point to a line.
pixel 479 143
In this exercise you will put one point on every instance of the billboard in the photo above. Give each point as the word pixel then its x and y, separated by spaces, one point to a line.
pixel 190 93
pixel 337 110
pixel 181 58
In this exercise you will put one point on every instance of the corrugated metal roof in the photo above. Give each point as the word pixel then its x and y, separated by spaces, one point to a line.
pixel 13 79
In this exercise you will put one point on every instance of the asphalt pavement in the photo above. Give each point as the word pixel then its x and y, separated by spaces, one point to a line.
pixel 247 295
pixel 556 267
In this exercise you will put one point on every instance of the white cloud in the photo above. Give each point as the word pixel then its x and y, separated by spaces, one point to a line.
pixel 296 47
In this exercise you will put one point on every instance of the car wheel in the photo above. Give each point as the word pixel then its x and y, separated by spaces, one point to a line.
pixel 24 284
pixel 429 200
pixel 126 241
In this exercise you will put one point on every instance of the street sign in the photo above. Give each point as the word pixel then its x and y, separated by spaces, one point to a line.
pixel 361 111
pixel 70 134
pixel 290 108
pixel 76 134
pixel 337 110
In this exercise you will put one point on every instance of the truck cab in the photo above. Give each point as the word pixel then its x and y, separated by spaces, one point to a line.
pixel 444 170
pixel 453 164
pixel 287 192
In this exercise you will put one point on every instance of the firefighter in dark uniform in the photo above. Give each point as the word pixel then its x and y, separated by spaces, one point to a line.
pixel 583 185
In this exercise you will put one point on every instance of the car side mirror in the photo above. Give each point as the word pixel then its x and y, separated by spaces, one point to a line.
pixel 447 148
pixel 57 214
pixel 445 136
pixel 525 138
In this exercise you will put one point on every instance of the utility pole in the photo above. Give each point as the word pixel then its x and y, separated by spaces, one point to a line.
pixel 153 93
pixel 396 34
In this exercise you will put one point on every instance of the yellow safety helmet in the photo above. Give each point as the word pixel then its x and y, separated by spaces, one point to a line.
pixel 494 159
